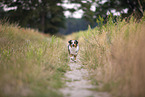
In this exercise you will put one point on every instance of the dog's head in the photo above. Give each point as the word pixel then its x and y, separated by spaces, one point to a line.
pixel 73 43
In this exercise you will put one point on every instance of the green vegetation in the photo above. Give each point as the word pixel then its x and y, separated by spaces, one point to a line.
pixel 114 54
pixel 49 17
pixel 44 15
pixel 94 8
pixel 31 64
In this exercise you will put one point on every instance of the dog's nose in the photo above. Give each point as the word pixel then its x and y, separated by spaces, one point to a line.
pixel 73 45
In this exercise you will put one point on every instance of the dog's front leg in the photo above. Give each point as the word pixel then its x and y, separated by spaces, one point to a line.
pixel 72 57
pixel 75 57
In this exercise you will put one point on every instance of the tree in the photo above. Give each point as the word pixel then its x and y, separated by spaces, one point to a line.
pixel 86 7
pixel 135 7
pixel 1 11
pixel 44 15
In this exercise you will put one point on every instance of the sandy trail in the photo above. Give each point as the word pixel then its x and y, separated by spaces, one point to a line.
pixel 78 85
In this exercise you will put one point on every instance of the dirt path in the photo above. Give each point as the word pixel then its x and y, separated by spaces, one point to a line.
pixel 77 84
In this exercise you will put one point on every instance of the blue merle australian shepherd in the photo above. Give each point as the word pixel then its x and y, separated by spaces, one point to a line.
pixel 73 49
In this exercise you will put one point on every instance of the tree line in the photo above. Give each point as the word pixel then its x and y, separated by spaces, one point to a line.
pixel 48 15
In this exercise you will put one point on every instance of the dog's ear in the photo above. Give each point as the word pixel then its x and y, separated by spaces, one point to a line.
pixel 76 42
pixel 69 41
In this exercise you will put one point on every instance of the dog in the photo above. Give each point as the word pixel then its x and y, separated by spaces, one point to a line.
pixel 73 49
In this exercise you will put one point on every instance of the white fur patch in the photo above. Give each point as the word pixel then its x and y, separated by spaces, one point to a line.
pixel 74 50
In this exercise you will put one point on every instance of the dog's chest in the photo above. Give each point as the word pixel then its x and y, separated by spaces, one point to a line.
pixel 73 50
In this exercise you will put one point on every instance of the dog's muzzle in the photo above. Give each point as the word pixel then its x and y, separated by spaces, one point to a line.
pixel 73 45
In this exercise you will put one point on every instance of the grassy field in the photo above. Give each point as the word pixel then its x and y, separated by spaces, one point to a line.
pixel 31 64
pixel 114 54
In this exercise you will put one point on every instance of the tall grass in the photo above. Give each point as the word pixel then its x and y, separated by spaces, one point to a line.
pixel 31 64
pixel 114 53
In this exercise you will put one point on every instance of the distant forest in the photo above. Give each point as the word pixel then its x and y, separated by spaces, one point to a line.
pixel 48 15
pixel 75 25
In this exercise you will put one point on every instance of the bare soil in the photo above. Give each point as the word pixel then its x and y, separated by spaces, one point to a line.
pixel 78 83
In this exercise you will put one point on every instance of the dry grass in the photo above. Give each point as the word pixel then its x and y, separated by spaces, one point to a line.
pixel 31 64
pixel 127 54
pixel 114 53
